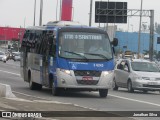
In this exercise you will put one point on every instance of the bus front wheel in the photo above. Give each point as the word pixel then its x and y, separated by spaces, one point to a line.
pixel 55 90
pixel 103 93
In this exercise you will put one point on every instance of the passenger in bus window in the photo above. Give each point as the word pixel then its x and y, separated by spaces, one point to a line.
pixel 96 47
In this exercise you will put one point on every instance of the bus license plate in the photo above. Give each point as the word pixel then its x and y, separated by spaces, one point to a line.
pixel 87 78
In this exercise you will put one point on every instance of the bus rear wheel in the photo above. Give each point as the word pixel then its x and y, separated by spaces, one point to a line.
pixel 33 85
pixel 103 93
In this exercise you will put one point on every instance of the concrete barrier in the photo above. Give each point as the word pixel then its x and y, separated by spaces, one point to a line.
pixel 5 91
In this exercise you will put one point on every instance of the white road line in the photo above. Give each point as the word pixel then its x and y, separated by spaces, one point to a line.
pixel 9 72
pixel 140 101
pixel 29 95
pixel 51 101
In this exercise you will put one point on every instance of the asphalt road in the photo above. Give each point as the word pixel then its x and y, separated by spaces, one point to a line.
pixel 116 100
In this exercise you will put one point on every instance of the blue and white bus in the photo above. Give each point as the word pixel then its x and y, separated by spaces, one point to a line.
pixel 67 56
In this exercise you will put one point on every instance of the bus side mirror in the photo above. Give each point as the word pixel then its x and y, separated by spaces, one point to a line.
pixel 114 42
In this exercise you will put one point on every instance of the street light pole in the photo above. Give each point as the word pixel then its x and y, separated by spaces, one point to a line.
pixel 5 39
pixel 151 35
pixel 139 35
pixel 34 13
pixel 56 9
pixel 60 12
pixel 41 9
pixel 72 13
pixel 90 14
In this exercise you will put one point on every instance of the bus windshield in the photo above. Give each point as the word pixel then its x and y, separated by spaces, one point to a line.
pixel 83 45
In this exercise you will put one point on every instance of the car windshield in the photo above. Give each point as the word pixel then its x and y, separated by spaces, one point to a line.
pixel 82 45
pixel 144 66
pixel 16 54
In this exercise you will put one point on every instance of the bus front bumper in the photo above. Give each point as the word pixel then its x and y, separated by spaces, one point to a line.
pixel 68 80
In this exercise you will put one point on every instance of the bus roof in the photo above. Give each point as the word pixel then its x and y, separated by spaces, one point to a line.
pixel 61 24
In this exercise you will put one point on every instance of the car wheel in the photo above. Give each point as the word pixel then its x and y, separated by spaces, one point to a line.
pixel 129 86
pixel 114 85
pixel 103 93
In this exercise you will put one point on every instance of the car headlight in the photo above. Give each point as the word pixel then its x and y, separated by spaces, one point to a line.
pixel 138 77
pixel 145 78
pixel 66 71
pixel 105 73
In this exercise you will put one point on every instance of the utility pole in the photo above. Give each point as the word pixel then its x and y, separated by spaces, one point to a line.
pixel 56 9
pixel 90 14
pixel 151 35
pixel 34 13
pixel 60 12
pixel 41 10
pixel 139 35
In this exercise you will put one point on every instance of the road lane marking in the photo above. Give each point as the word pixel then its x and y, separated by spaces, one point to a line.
pixel 10 72
pixel 140 101
pixel 51 101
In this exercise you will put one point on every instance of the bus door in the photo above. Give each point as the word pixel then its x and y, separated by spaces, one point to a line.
pixel 24 62
pixel 44 60
pixel 45 70
pixel 48 51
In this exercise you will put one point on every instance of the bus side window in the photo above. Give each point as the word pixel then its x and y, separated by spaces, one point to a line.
pixel 39 44
pixel 52 46
pixel 24 41
pixel 43 45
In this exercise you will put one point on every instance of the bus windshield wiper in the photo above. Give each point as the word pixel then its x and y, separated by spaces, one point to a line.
pixel 100 55
pixel 77 54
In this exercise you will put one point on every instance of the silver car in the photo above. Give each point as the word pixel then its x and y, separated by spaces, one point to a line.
pixel 16 56
pixel 137 74
pixel 3 57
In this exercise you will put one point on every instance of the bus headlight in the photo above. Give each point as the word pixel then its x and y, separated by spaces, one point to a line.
pixel 66 71
pixel 105 73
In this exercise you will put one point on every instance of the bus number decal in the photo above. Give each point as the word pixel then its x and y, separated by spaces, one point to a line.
pixel 98 65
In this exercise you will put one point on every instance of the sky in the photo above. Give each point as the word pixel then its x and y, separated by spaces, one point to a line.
pixel 16 13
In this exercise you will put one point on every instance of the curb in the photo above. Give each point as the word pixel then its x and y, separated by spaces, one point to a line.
pixel 5 91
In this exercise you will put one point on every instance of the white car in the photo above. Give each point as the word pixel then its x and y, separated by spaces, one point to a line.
pixel 3 57
pixel 16 56
pixel 137 74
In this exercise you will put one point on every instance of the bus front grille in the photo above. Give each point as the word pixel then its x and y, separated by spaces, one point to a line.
pixel 87 73
pixel 87 82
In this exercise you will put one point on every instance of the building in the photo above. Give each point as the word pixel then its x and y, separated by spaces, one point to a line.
pixel 9 35
pixel 129 41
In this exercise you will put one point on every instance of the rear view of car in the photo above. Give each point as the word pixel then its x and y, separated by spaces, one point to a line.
pixel 3 57
pixel 137 75
pixel 16 56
